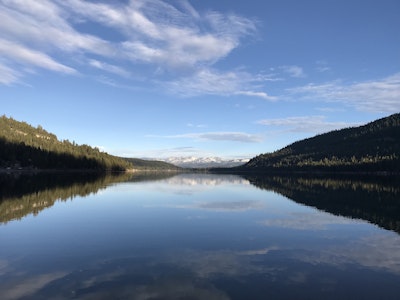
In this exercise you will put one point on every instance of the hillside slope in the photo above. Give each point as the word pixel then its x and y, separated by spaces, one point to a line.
pixel 143 164
pixel 372 147
pixel 23 146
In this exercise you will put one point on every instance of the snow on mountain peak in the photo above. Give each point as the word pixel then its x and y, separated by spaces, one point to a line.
pixel 204 162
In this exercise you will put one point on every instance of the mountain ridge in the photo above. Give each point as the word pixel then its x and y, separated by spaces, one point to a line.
pixel 153 164
pixel 24 147
pixel 204 162
pixel 373 147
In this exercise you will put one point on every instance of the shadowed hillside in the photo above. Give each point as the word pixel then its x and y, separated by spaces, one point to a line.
pixel 27 147
pixel 369 148
pixel 150 165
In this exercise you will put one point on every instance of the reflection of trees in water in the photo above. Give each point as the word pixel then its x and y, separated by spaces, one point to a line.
pixel 24 194
pixel 374 199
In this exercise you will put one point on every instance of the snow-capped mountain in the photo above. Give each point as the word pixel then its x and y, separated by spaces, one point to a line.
pixel 205 162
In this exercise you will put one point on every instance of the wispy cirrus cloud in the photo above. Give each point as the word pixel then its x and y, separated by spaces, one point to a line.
pixel 293 71
pixel 146 35
pixel 196 125
pixel 309 124
pixel 109 68
pixel 43 26
pixel 8 75
pixel 322 66
pixel 163 153
pixel 212 82
pixel 31 58
pixel 241 137
pixel 381 95
pixel 262 95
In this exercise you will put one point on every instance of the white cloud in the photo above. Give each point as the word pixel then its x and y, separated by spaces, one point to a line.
pixel 46 29
pixel 196 125
pixel 262 95
pixel 330 109
pixel 377 96
pixel 322 66
pixel 313 124
pixel 33 34
pixel 189 8
pixel 31 57
pixel 159 33
pixel 109 68
pixel 8 75
pixel 175 39
pixel 221 136
pixel 293 71
pixel 163 153
pixel 211 82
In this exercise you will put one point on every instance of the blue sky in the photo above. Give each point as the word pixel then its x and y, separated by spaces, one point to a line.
pixel 152 78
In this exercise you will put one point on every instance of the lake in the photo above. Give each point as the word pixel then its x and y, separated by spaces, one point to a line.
pixel 199 236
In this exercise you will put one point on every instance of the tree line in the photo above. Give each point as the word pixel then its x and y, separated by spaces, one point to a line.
pixel 372 147
pixel 25 146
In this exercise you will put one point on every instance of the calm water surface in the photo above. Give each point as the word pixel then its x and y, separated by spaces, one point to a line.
pixel 194 236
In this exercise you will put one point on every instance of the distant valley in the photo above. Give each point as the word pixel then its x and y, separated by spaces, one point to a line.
pixel 374 147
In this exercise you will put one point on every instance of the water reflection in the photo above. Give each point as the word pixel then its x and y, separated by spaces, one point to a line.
pixel 205 180
pixel 205 237
pixel 24 194
pixel 313 220
pixel 374 199
pixel 378 252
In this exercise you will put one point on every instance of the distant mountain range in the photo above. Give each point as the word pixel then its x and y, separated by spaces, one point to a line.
pixel 149 165
pixel 374 147
pixel 24 147
pixel 205 162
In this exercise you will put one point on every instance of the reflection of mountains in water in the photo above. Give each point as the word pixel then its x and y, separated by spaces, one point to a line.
pixel 198 179
pixel 24 194
pixel 374 199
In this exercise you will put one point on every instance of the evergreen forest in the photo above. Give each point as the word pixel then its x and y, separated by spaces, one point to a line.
pixel 23 146
pixel 374 147
pixel 152 165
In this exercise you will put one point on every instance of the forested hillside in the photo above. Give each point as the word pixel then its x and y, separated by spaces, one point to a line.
pixel 24 146
pixel 149 165
pixel 372 147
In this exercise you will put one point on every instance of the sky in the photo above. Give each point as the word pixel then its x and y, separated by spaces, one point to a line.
pixel 233 79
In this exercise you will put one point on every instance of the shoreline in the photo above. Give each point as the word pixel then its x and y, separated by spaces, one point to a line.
pixel 211 171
